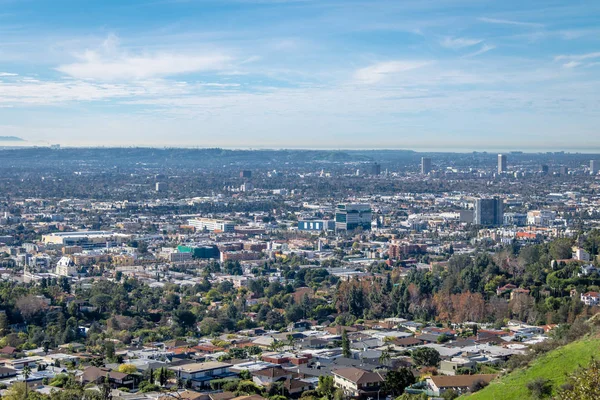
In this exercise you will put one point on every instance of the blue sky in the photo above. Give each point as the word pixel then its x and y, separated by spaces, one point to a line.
pixel 428 74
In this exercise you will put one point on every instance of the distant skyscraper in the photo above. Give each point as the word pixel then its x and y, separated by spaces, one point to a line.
pixel 246 174
pixel 160 186
pixel 502 163
pixel 351 216
pixel 593 167
pixel 488 212
pixel 545 169
pixel 564 170
pixel 375 169
pixel 425 165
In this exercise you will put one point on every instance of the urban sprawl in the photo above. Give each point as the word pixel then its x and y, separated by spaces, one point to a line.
pixel 220 274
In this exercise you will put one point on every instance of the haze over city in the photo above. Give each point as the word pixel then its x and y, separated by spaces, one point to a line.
pixel 439 74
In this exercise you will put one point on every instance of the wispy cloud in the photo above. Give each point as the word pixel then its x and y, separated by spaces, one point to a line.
pixel 109 63
pixel 379 71
pixel 510 22
pixel 5 74
pixel 578 57
pixel 576 60
pixel 484 49
pixel 459 43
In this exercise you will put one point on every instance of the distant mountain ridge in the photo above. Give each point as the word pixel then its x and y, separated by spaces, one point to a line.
pixel 11 139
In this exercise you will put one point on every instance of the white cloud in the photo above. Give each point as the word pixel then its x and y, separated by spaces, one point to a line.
pixel 484 49
pixel 459 43
pixel 576 60
pixel 111 64
pixel 7 74
pixel 572 64
pixel 510 22
pixel 578 57
pixel 377 72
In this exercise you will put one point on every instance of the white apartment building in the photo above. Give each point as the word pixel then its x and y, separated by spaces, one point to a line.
pixel 66 267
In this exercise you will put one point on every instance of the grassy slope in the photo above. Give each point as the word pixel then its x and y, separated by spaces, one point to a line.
pixel 554 366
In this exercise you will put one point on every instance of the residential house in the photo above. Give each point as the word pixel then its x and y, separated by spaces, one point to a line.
pixel 268 376
pixel 437 385
pixel 358 383
pixel 200 374
pixel 590 298
pixel 115 379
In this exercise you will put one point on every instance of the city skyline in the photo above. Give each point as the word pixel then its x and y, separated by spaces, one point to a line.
pixel 454 75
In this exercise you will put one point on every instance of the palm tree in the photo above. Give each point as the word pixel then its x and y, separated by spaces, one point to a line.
pixel 276 345
pixel 291 341
pixel 26 374
pixel 385 357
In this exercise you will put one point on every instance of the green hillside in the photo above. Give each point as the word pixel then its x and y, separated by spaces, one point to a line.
pixel 554 366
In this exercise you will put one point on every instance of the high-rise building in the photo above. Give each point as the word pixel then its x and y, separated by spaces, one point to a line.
pixel 545 169
pixel 375 169
pixel 564 170
pixel 160 186
pixel 246 174
pixel 502 163
pixel 594 167
pixel 351 216
pixel 425 165
pixel 488 212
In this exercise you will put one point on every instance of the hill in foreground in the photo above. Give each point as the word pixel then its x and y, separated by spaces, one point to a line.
pixel 554 366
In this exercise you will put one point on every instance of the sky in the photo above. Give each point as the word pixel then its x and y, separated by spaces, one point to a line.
pixel 458 75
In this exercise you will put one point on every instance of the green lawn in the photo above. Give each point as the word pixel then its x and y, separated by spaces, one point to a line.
pixel 554 366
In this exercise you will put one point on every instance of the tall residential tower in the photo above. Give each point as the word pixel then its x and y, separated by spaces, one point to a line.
pixel 425 165
pixel 502 163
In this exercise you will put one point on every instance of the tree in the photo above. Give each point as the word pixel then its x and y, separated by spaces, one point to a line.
pixel 426 357
pixel 396 381
pixel 385 357
pixel 185 319
pixel 127 369
pixel 583 384
pixel 346 344
pixel 477 386
pixel 30 306
pixel 18 391
pixel 105 391
pixel 449 394
pixel 26 375
pixel 109 350
pixel 162 375
pixel 326 388
pixel 539 388
pixel 560 249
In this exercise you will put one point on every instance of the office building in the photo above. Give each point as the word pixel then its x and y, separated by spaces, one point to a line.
pixel 502 163
pixel 316 225
pixel 246 174
pixel 246 187
pixel 211 225
pixel 425 165
pixel 564 170
pixel 85 239
pixel 161 187
pixel 515 219
pixel 488 212
pixel 352 216
pixel 375 169
pixel 545 170
pixel 594 166
pixel 541 217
